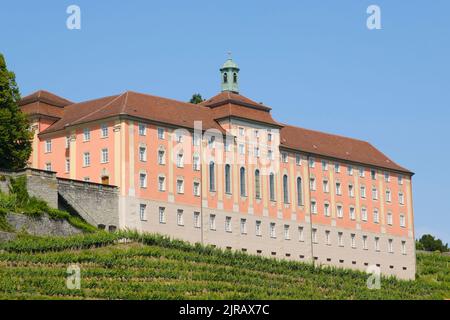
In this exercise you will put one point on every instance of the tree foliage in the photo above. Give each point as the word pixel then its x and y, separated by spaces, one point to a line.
pixel 429 243
pixel 15 136
pixel 196 98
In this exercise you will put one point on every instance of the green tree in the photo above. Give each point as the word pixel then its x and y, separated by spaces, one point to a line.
pixel 15 136
pixel 196 98
pixel 429 243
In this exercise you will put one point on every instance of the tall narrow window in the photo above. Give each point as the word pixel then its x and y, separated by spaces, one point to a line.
pixel 228 179
pixel 104 130
pixel 48 146
pixel 242 176
pixel 272 186
pixel 142 213
pixel 299 192
pixel 257 185
pixel 196 163
pixel 285 189
pixel 212 176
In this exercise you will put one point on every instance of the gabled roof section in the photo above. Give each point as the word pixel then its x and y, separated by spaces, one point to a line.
pixel 229 104
pixel 136 105
pixel 335 146
pixel 44 103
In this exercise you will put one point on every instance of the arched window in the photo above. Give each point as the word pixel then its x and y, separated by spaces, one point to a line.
pixel 257 184
pixel 272 186
pixel 227 178
pixel 235 77
pixel 299 192
pixel 242 175
pixel 225 78
pixel 285 189
pixel 212 176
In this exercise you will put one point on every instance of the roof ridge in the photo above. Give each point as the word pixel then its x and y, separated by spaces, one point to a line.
pixel 327 133
pixel 170 99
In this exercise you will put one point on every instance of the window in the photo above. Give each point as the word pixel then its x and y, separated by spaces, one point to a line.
pixel 161 183
pixel 312 184
pixel 143 180
pixel 340 211
pixel 298 159
pixel 326 209
pixel 377 244
pixel 258 228
pixel 196 163
pixel 241 131
pixel 228 178
pixel 86 179
pixel 161 157
pixel 402 221
pixel 299 192
pixel 313 207
pixel 67 142
pixel 324 165
pixel 314 235
pixel 391 246
pixel 162 215
pixel 142 153
pixel 285 189
pixel 86 159
pixel 400 179
pixel 403 247
pixel 284 157
pixel 389 218
pixel 287 235
pixel 373 174
pixel 180 186
pixel 212 221
pixel 338 188
pixel 337 168
pixel 196 219
pixel 374 193
pixel 196 189
pixel 401 198
pixel 269 137
pixel 180 160
pixel 340 239
pixel 104 131
pixel 225 78
pixel 178 137
pixel 301 235
pixel 161 133
pixel 352 213
pixel 326 186
pixel 388 196
pixel 386 176
pixel 364 238
pixel 272 186
pixel 327 238
pixel 257 184
pixel 353 240
pixel 243 226
pixel 212 142
pixel 180 218
pixel 311 162
pixel 363 191
pixel 361 172
pixel 241 149
pixel 376 216
pixel 228 224
pixel 212 176
pixel 196 139
pixel 86 134
pixel 351 191
pixel 272 230
pixel 257 152
pixel 350 170
pixel 142 129
pixel 48 166
pixel 67 165
pixel 104 156
pixel 364 214
pixel 48 146
pixel 242 178
pixel 142 212
pixel 234 77
pixel 270 154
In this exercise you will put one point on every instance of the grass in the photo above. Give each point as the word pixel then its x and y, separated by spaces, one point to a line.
pixel 156 267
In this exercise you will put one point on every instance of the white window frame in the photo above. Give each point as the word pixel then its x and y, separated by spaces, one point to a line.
pixel 162 215
pixel 142 212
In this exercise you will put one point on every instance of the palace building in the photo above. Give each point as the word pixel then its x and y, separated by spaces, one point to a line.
pixel 225 173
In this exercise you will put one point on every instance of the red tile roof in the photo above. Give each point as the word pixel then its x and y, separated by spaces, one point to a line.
pixel 44 103
pixel 223 105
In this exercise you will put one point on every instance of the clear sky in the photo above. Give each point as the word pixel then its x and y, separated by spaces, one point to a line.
pixel 314 62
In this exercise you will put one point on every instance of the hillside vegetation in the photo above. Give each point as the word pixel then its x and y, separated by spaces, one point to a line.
pixel 155 267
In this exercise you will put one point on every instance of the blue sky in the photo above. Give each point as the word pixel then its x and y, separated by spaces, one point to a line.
pixel 314 62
